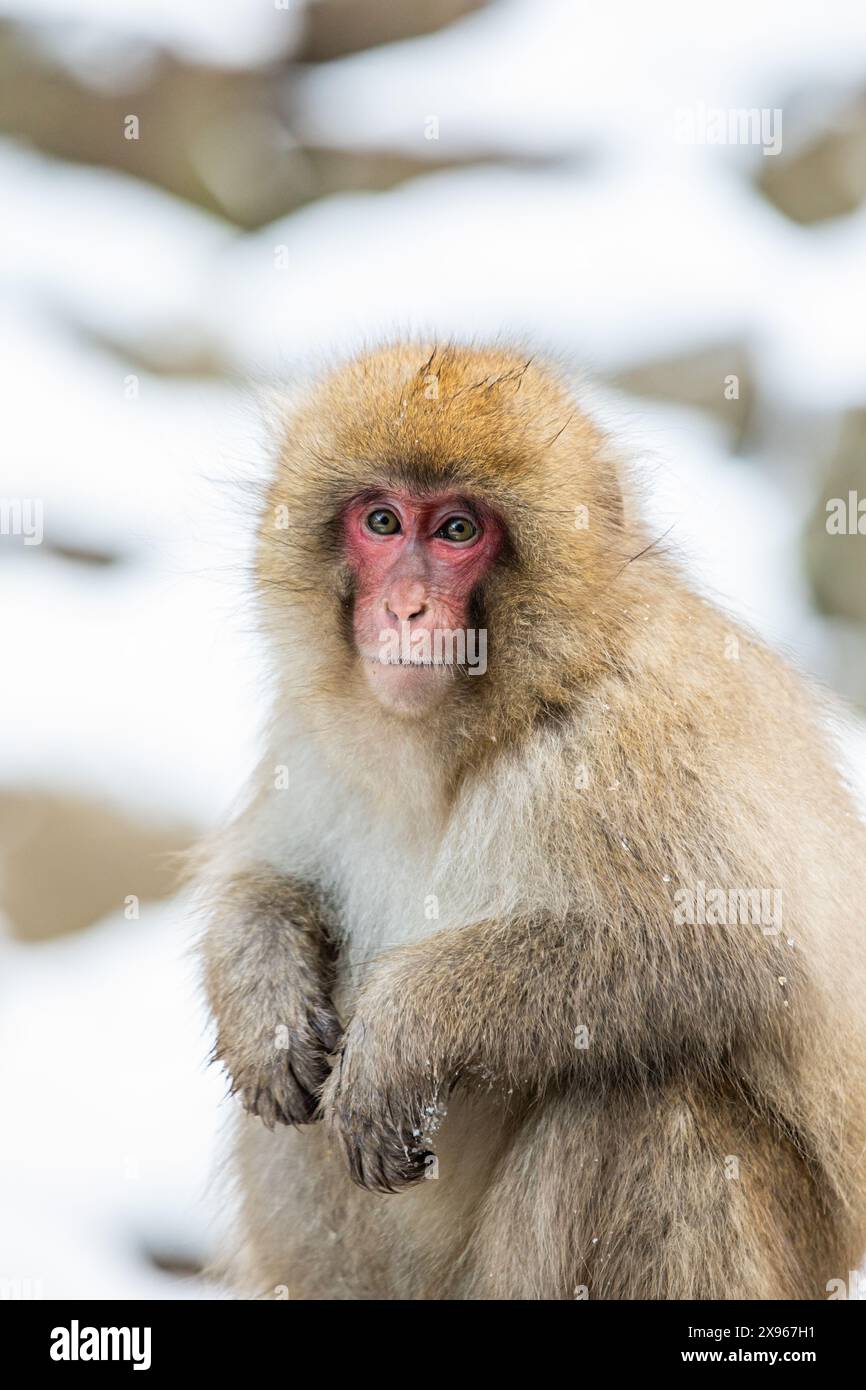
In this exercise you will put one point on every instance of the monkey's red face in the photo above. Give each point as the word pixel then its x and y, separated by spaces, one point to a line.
pixel 418 563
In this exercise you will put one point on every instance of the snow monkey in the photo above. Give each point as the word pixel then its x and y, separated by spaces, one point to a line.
pixel 536 954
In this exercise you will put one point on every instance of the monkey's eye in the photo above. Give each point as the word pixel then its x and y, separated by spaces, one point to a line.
pixel 458 529
pixel 383 522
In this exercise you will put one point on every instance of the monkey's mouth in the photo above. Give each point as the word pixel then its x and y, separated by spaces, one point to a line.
pixel 407 685
pixel 411 663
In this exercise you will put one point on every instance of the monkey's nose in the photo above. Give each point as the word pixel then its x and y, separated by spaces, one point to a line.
pixel 404 604
pixel 405 611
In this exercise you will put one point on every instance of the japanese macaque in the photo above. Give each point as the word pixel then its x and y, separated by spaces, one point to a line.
pixel 536 955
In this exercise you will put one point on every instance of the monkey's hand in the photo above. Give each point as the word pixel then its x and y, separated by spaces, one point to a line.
pixel 269 971
pixel 492 1005
pixel 275 1047
pixel 383 1108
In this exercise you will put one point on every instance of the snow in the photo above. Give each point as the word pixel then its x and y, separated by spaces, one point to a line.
pixel 114 255
pixel 540 76
pixel 157 708
pixel 218 31
pixel 552 256
pixel 113 1115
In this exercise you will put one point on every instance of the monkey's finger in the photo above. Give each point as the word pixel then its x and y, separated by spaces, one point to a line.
pixel 260 1101
pixel 303 1101
pixel 380 1161
pixel 327 1028
pixel 310 1068
pixel 412 1165
pixel 361 1151
pixel 282 1099
pixel 367 1168
pixel 395 1169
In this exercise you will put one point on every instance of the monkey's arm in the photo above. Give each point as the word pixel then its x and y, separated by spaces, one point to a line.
pixel 268 973
pixel 493 1000
pixel 525 1003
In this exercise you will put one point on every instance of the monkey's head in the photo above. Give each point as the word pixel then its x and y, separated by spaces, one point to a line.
pixel 442 536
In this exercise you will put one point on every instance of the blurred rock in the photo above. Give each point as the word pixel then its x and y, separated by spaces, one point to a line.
pixel 333 28
pixel 180 1263
pixel 701 379
pixel 221 139
pixel 172 351
pixel 80 554
pixel 827 177
pixel 180 109
pixel 66 862
pixel 836 563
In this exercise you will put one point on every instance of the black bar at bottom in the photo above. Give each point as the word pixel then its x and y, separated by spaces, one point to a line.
pixel 159 1339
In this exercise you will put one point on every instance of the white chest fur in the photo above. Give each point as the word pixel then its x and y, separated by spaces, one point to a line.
pixel 398 863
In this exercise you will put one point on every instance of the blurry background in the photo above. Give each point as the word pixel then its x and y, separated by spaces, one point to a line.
pixel 200 195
